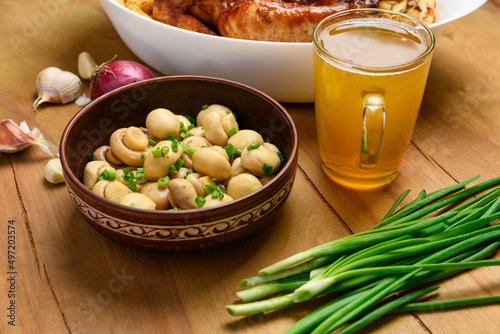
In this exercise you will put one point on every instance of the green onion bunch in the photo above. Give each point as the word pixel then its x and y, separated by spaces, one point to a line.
pixel 385 268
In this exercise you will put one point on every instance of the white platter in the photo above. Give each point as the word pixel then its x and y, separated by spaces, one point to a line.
pixel 281 70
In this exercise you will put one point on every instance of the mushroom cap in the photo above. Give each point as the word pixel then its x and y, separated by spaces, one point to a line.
pixel 244 138
pixel 114 190
pixel 129 156
pixel 242 185
pixel 158 195
pixel 254 160
pixel 210 162
pixel 162 122
pixel 158 167
pixel 137 200
pixel 91 172
pixel 214 131
pixel 183 193
pixel 135 139
pixel 222 110
pixel 210 202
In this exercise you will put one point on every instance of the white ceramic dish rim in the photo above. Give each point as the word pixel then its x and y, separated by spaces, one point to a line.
pixel 469 7
pixel 266 66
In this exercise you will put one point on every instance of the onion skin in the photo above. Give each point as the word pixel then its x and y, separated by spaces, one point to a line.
pixel 109 76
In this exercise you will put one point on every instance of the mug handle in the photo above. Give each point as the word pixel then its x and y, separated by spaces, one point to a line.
pixel 372 131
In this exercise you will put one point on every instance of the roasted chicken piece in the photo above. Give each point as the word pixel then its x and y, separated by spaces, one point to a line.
pixel 264 20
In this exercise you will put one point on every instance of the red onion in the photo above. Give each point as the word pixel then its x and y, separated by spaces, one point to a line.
pixel 109 76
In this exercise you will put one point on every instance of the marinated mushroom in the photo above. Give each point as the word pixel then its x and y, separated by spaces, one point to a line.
pixel 195 142
pixel 158 161
pixel 271 146
pixel 137 200
pixel 244 138
pixel 229 124
pixel 214 131
pixel 197 131
pixel 100 186
pixel 135 139
pixel 237 168
pixel 183 119
pixel 100 153
pixel 92 170
pixel 211 202
pixel 104 153
pixel 162 122
pixel 180 174
pixel 183 193
pixel 124 153
pixel 200 182
pixel 222 110
pixel 114 190
pixel 210 162
pixel 221 150
pixel 158 195
pixel 242 185
pixel 261 160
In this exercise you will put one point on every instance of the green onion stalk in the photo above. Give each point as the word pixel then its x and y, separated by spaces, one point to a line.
pixel 386 268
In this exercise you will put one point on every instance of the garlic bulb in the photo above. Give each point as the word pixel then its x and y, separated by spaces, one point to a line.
pixel 57 86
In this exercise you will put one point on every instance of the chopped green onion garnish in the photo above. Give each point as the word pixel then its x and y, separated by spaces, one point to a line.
pixel 183 135
pixel 171 137
pixel 142 155
pixel 175 209
pixel 175 146
pixel 139 174
pixel 254 146
pixel 187 174
pixel 178 164
pixel 234 115
pixel 151 142
pixel 191 119
pixel 231 151
pixel 266 170
pixel 164 148
pixel 156 152
pixel 107 175
pixel 185 148
pixel 191 126
pixel 200 201
pixel 215 190
pixel 163 182
pixel 172 169
pixel 90 156
pixel 281 157
pixel 205 106
pixel 232 131
pixel 129 176
pixel 268 140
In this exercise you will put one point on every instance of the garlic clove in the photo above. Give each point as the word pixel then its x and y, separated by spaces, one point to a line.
pixel 15 138
pixel 86 65
pixel 57 86
pixel 53 171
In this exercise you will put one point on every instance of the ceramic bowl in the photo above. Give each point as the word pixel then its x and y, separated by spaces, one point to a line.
pixel 182 230
pixel 282 70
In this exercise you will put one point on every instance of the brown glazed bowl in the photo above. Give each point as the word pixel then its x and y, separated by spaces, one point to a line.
pixel 180 230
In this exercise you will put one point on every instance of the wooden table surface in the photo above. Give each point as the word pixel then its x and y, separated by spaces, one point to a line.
pixel 70 279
